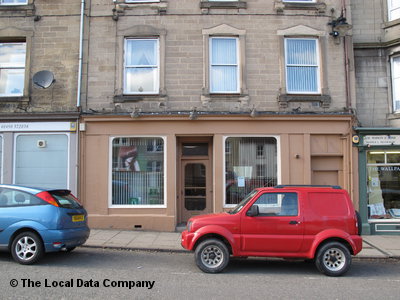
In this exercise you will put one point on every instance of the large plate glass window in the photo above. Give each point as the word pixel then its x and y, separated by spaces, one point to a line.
pixel 394 9
pixel 13 2
pixel 141 64
pixel 12 69
pixel 383 184
pixel 224 65
pixel 250 162
pixel 396 83
pixel 137 171
pixel 302 66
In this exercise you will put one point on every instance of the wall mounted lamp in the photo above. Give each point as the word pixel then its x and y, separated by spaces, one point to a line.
pixel 339 26
pixel 135 113
pixel 193 114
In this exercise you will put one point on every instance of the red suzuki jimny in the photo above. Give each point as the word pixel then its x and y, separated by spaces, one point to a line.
pixel 310 222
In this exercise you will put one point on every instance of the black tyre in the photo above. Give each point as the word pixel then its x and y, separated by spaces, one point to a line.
pixel 211 256
pixel 70 249
pixel 27 248
pixel 333 259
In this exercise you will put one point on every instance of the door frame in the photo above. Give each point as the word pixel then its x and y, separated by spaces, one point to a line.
pixel 182 160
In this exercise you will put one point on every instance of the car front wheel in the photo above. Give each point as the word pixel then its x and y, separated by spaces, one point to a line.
pixel 27 248
pixel 212 256
pixel 333 259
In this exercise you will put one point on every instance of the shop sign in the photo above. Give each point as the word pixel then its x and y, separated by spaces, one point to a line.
pixel 37 126
pixel 381 140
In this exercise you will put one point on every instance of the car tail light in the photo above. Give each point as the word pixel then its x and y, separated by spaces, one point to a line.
pixel 48 198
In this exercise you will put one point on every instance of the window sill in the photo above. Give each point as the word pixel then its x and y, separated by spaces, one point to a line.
pixel 223 4
pixel 323 100
pixel 137 98
pixel 242 98
pixel 29 9
pixel 280 6
pixel 159 7
pixel 17 99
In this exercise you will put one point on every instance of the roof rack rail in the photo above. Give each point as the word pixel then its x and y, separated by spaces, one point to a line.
pixel 307 185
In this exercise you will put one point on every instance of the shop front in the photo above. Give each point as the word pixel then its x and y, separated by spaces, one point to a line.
pixel 379 173
pixel 155 172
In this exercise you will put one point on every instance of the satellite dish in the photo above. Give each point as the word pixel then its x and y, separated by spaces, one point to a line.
pixel 43 79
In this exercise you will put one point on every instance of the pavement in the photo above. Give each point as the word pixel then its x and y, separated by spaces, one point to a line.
pixel 374 246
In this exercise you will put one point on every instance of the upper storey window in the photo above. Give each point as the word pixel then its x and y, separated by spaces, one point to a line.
pixel 12 69
pixel 140 1
pixel 300 1
pixel 302 66
pixel 224 65
pixel 394 9
pixel 396 83
pixel 141 66
pixel 13 2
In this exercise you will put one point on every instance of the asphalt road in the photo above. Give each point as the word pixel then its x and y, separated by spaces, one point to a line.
pixel 89 273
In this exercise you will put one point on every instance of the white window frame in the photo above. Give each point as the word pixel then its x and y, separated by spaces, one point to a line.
pixel 278 160
pixel 16 68
pixel 156 90
pixel 317 66
pixel 395 79
pixel 391 9
pixel 237 65
pixel 2 3
pixel 110 157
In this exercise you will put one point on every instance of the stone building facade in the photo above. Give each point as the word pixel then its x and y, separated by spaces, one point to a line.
pixel 190 104
pixel 38 137
pixel 376 32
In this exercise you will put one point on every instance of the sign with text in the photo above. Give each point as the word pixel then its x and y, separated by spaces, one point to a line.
pixel 38 126
pixel 381 140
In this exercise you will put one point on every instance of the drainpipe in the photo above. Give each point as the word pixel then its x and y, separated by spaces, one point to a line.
pixel 78 96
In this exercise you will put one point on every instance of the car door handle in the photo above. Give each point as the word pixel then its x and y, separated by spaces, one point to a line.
pixel 294 222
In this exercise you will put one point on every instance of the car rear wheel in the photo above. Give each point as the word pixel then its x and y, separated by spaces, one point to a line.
pixel 212 256
pixel 27 248
pixel 333 259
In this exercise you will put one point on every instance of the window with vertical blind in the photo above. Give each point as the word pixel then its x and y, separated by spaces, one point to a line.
pixel 394 10
pixel 224 65
pixel 137 177
pixel 395 64
pixel 302 66
pixel 250 162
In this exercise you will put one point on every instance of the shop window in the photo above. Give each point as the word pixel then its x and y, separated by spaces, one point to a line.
pixel 1 159
pixel 395 66
pixel 302 66
pixel 137 177
pixel 383 184
pixel 141 74
pixel 245 169
pixel 394 9
pixel 12 69
pixel 13 2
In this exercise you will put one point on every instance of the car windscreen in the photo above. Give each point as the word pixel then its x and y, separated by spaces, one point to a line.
pixel 243 202
pixel 65 199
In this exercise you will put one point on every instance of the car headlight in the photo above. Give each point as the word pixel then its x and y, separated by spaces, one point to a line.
pixel 189 226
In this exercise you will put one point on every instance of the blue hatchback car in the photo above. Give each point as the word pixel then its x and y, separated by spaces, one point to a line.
pixel 34 221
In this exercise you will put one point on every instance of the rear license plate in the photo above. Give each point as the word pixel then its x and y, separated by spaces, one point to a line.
pixel 78 218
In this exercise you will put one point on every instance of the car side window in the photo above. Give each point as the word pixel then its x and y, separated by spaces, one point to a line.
pixel 277 204
pixel 13 198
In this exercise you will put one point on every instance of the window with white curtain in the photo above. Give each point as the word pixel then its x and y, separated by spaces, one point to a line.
pixel 224 65
pixel 394 9
pixel 141 66
pixel 395 62
pixel 13 2
pixel 12 69
pixel 246 168
pixel 137 177
pixel 302 66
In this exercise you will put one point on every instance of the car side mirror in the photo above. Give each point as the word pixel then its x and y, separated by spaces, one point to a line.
pixel 253 211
